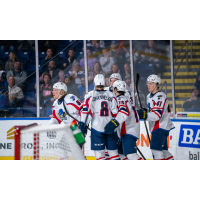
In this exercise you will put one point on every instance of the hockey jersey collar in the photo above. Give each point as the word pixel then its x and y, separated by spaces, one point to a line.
pixel 61 100
pixel 151 95
pixel 100 90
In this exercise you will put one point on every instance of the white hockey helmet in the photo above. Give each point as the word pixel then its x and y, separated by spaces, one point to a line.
pixel 116 75
pixel 154 78
pixel 120 85
pixel 60 86
pixel 99 80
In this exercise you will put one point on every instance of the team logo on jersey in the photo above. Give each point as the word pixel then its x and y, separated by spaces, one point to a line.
pixel 73 98
pixel 189 136
pixel 62 114
pixel 51 134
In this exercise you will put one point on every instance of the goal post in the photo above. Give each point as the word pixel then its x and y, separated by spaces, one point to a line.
pixel 46 142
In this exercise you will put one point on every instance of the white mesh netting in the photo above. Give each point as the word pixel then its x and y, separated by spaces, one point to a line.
pixel 49 142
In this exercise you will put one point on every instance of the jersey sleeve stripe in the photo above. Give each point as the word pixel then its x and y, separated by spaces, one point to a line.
pixel 55 117
pixel 113 115
pixel 123 113
pixel 156 114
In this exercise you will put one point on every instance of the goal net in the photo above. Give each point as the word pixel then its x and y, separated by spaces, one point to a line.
pixel 46 142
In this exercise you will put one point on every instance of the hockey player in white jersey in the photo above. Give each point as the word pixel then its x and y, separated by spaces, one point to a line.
pixel 158 118
pixel 114 77
pixel 103 109
pixel 127 121
pixel 64 102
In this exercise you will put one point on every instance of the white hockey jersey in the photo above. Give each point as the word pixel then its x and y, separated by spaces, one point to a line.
pixel 127 94
pixel 73 105
pixel 159 110
pixel 103 109
pixel 127 117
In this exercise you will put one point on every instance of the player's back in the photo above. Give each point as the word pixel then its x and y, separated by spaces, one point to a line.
pixel 103 108
pixel 131 125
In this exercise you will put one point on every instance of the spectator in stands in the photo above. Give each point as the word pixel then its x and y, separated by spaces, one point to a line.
pixel 3 89
pixel 128 80
pixel 113 51
pixel 127 70
pixel 90 59
pixel 19 74
pixel 193 104
pixel 97 70
pixel 81 88
pixel 48 103
pixel 57 75
pixel 49 56
pixel 71 87
pixel 197 83
pixel 151 56
pixel 45 88
pixel 3 82
pixel 10 63
pixel 15 94
pixel 115 69
pixel 107 61
pixel 69 61
pixel 107 81
pixel 75 73
pixel 96 49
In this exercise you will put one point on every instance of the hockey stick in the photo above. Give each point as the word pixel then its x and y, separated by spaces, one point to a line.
pixel 71 115
pixel 141 153
pixel 137 81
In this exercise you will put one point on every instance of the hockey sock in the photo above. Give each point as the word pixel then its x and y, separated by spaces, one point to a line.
pixel 168 155
pixel 158 155
pixel 113 154
pixel 106 155
pixel 100 155
pixel 123 157
pixel 133 156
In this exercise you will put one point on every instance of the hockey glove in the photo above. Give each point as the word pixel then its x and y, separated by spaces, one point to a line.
pixel 142 114
pixel 111 126
pixel 83 128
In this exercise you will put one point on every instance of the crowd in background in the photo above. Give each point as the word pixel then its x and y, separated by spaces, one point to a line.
pixel 103 57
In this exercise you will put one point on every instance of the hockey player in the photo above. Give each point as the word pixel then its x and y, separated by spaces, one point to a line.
pixel 103 109
pixel 114 77
pixel 158 118
pixel 128 121
pixel 64 102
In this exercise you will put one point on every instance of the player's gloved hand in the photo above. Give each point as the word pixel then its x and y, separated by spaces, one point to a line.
pixel 142 114
pixel 111 126
pixel 83 128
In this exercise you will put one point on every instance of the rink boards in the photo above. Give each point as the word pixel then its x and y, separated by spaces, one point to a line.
pixel 183 141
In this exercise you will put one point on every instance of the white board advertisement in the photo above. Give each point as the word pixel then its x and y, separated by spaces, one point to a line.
pixel 183 141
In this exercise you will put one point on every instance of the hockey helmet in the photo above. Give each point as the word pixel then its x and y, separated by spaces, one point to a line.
pixel 154 78
pixel 116 75
pixel 120 85
pixel 99 80
pixel 60 86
